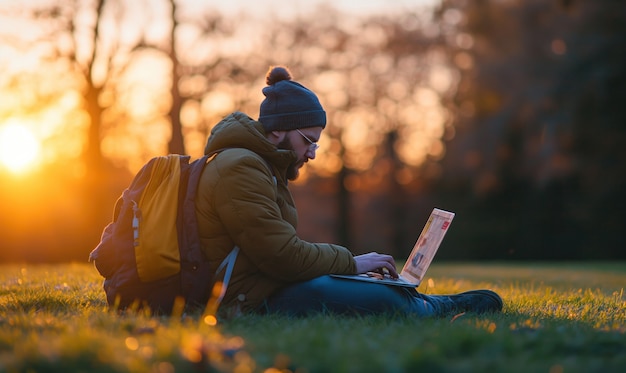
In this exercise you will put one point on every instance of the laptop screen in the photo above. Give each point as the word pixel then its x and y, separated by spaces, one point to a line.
pixel 427 245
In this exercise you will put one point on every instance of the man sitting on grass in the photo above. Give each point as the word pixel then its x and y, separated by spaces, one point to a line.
pixel 244 201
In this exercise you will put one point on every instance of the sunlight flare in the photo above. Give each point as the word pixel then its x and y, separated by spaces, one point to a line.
pixel 19 148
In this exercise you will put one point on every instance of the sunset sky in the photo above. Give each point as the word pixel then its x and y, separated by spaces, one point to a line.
pixel 21 137
pixel 286 7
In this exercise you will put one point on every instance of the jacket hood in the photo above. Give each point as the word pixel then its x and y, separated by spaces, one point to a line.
pixel 238 130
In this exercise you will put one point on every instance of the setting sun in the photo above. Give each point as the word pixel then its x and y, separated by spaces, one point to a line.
pixel 18 147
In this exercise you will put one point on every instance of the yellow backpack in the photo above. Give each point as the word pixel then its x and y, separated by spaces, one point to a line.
pixel 150 253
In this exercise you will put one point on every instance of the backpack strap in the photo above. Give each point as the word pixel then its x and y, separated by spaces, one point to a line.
pixel 229 263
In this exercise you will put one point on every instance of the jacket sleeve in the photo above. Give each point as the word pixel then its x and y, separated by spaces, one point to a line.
pixel 246 205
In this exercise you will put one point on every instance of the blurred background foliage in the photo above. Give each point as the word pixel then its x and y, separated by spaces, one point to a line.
pixel 509 113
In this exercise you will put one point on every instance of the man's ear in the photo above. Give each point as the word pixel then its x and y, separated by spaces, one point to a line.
pixel 276 137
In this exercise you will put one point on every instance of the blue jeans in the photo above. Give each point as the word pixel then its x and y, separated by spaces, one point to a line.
pixel 342 296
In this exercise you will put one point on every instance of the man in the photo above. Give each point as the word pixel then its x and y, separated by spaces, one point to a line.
pixel 243 201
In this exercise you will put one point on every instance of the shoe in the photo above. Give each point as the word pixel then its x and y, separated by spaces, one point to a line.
pixel 477 301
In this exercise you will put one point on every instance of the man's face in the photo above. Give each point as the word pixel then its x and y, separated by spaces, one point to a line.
pixel 304 143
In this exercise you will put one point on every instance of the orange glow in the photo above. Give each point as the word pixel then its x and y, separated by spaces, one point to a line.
pixel 19 148
pixel 210 320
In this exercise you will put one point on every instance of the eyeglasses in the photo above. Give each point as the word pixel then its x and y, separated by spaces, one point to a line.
pixel 312 143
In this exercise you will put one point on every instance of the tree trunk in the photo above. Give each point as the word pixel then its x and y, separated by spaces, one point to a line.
pixel 177 143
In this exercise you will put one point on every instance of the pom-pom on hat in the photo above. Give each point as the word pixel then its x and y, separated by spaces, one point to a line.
pixel 289 105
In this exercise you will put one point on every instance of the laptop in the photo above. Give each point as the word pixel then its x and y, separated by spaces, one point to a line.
pixel 421 256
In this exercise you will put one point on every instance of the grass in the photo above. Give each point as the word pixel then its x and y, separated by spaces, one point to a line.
pixel 558 317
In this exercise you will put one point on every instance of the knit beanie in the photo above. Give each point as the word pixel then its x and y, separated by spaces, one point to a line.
pixel 289 105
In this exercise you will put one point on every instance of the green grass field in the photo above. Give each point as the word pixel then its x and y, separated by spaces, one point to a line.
pixel 568 317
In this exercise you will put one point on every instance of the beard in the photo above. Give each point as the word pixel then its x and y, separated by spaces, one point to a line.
pixel 293 171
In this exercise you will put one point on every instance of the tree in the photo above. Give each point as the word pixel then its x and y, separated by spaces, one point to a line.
pixel 176 144
pixel 82 58
pixel 197 64
pixel 538 124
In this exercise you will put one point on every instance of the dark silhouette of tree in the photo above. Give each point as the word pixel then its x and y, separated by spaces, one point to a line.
pixel 539 123
pixel 176 144
pixel 197 64
pixel 93 152
pixel 84 56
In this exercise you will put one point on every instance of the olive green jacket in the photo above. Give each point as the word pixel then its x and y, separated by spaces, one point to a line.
pixel 242 202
